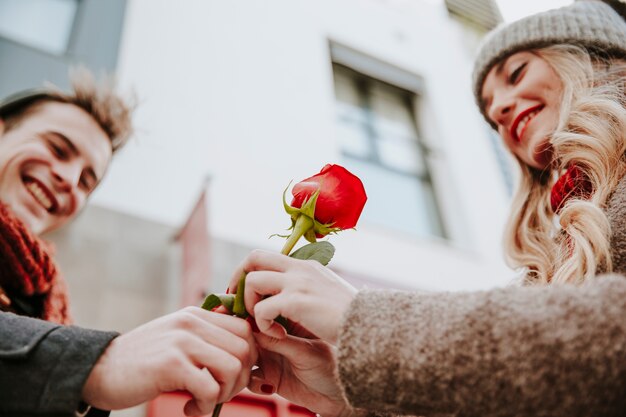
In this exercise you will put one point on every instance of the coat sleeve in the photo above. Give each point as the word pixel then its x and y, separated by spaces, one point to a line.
pixel 517 351
pixel 43 366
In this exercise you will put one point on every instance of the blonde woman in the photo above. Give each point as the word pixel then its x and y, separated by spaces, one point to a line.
pixel 553 86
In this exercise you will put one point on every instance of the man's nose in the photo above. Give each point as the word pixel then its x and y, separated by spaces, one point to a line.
pixel 67 175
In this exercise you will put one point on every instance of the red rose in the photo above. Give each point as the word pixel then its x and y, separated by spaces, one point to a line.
pixel 341 196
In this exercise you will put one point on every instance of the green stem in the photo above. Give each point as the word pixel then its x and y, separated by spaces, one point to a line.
pixel 239 306
pixel 303 224
pixel 216 410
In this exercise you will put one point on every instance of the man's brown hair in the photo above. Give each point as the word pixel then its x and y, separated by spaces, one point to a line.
pixel 99 99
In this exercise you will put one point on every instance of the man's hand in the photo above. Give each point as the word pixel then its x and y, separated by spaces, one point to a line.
pixel 210 355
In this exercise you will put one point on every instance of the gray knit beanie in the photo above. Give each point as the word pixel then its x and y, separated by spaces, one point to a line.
pixel 593 24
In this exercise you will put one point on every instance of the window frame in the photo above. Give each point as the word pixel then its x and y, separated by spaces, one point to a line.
pixel 367 71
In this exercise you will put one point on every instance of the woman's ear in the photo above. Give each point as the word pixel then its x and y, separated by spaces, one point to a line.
pixel 1 127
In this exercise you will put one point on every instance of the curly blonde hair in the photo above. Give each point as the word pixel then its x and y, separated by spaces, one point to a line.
pixel 591 134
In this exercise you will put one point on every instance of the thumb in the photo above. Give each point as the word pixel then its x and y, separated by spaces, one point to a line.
pixel 291 347
pixel 259 384
pixel 266 378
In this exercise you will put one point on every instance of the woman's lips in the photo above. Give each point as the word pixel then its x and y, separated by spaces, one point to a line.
pixel 521 122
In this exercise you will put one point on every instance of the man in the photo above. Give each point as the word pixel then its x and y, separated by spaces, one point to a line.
pixel 55 149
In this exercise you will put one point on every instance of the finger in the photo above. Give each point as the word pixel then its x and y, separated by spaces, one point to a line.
pixel 225 368
pixel 204 389
pixel 260 385
pixel 266 378
pixel 261 260
pixel 291 347
pixel 296 329
pixel 228 323
pixel 237 339
pixel 222 310
pixel 257 260
pixel 260 284
pixel 266 311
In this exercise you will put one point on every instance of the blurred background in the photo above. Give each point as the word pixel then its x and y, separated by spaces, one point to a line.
pixel 239 97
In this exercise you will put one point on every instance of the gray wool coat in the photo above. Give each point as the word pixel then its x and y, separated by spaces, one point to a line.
pixel 517 351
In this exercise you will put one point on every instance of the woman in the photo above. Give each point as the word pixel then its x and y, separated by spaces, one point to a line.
pixel 553 85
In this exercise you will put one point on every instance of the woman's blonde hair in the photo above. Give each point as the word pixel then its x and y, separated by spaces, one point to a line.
pixel 591 134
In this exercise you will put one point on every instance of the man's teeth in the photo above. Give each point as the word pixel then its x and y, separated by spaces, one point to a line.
pixel 522 124
pixel 39 194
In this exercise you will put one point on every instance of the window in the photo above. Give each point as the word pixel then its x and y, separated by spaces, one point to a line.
pixel 377 129
pixel 43 24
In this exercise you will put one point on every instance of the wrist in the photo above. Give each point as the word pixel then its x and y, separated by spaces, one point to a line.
pixel 347 411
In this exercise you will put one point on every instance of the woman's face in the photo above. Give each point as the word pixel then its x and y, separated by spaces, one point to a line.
pixel 522 96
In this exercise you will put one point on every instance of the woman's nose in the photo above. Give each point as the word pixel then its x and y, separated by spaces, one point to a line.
pixel 501 108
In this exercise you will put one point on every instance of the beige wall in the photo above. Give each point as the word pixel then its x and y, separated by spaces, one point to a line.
pixel 121 270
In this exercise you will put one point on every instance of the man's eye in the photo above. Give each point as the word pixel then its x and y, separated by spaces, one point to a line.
pixel 58 151
pixel 515 74
pixel 87 183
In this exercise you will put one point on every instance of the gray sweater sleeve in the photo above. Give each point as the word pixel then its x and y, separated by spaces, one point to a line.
pixel 43 366
pixel 517 351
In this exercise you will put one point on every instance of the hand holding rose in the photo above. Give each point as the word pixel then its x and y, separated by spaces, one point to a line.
pixel 275 288
pixel 300 370
pixel 304 292
pixel 210 355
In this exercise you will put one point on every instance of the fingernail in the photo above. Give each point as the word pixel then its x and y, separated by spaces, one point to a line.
pixel 228 290
pixel 267 388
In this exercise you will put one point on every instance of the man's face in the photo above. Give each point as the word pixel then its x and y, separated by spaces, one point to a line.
pixel 49 164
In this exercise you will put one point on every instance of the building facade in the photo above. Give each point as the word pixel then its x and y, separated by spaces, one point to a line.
pixel 237 99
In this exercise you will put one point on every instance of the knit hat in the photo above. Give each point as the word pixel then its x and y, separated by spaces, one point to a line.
pixel 595 25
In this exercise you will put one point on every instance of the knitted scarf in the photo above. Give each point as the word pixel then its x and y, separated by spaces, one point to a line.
pixel 573 183
pixel 27 270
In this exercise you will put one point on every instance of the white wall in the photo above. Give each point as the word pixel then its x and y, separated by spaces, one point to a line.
pixel 241 91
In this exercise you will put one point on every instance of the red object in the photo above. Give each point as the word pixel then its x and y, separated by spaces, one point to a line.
pixel 341 198
pixel 28 271
pixel 245 404
pixel 573 183
pixel 196 244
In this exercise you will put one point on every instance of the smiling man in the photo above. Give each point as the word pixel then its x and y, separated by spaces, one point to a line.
pixel 55 149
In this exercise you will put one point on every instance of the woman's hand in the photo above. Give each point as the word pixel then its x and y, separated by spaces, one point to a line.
pixel 304 292
pixel 301 371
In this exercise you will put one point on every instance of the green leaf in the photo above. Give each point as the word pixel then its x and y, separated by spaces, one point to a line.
pixel 321 252
pixel 215 300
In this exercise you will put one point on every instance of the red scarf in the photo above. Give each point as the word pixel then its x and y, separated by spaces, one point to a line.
pixel 27 270
pixel 573 183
